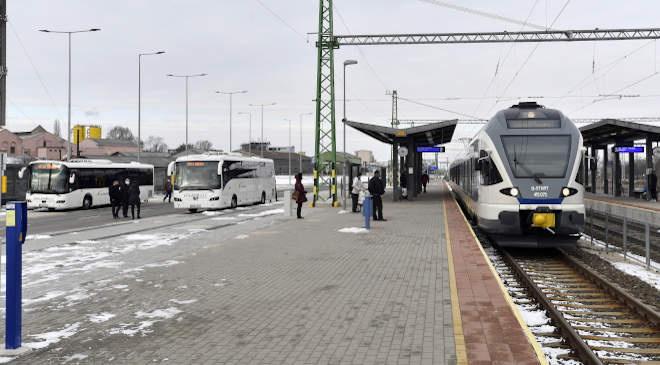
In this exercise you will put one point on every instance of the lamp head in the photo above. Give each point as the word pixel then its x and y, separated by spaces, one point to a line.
pixel 350 62
pixel 95 29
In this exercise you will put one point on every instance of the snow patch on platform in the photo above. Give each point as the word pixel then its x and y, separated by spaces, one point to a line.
pixel 353 230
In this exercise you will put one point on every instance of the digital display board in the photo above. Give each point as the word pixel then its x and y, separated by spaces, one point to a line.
pixel 431 149
pixel 638 149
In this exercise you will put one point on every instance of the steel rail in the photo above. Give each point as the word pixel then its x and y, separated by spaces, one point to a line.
pixel 578 345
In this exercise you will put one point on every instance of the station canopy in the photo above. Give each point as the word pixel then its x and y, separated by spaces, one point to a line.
pixel 611 131
pixel 426 135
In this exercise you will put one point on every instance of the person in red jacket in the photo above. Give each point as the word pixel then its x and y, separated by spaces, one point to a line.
pixel 300 194
pixel 425 180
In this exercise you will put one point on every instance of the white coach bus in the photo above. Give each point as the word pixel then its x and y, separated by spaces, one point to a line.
pixel 213 181
pixel 81 183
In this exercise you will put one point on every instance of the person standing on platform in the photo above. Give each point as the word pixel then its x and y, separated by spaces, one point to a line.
pixel 124 194
pixel 404 185
pixel 168 191
pixel 425 180
pixel 377 189
pixel 653 186
pixel 355 192
pixel 134 198
pixel 115 198
pixel 299 195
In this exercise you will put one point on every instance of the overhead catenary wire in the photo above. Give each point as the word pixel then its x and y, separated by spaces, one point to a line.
pixel 438 108
pixel 35 69
pixel 282 20
pixel 21 111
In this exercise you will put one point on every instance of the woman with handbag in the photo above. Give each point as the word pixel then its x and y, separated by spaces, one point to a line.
pixel 299 194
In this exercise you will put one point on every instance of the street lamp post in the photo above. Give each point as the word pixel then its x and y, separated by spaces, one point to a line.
pixel 343 190
pixel 289 120
pixel 250 133
pixel 301 139
pixel 187 77
pixel 68 132
pixel 230 93
pixel 139 141
pixel 262 124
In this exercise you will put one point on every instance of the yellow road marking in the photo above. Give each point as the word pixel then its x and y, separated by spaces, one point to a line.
pixel 459 339
pixel 516 313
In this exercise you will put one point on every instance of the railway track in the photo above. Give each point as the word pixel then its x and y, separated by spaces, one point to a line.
pixel 597 320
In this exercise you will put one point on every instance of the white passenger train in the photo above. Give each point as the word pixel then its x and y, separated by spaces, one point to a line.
pixel 81 183
pixel 220 180
pixel 521 178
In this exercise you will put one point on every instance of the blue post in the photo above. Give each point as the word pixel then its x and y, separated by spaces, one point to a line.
pixel 366 210
pixel 15 233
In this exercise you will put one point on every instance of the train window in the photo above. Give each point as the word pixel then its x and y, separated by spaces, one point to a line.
pixel 533 123
pixel 579 178
pixel 490 175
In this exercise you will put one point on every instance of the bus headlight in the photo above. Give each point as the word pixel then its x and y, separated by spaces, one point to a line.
pixel 514 192
pixel 568 191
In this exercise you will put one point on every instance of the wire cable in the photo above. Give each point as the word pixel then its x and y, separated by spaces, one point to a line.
pixel 36 71
pixel 438 108
pixel 20 110
pixel 485 14
pixel 273 13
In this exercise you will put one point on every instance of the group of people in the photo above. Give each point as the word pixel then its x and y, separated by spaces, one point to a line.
pixel 123 195
pixel 376 189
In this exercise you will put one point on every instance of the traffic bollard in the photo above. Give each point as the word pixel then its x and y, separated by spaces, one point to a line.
pixel 366 210
pixel 16 229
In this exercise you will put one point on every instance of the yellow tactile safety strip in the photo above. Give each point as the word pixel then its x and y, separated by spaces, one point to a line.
pixel 459 339
pixel 528 333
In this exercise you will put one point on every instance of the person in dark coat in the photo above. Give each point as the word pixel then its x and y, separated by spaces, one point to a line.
pixel 168 191
pixel 425 180
pixel 377 189
pixel 115 198
pixel 653 186
pixel 134 198
pixel 300 198
pixel 123 194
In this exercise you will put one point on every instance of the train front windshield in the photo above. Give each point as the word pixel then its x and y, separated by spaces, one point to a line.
pixel 195 175
pixel 49 178
pixel 538 156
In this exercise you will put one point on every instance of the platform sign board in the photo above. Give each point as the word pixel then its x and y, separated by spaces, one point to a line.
pixel 433 168
pixel 625 144
pixel 431 149
pixel 637 149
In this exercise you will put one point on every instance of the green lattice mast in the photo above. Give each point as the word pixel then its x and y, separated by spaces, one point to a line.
pixel 325 107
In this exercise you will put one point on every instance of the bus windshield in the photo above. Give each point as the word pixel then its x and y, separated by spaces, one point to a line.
pixel 49 178
pixel 194 175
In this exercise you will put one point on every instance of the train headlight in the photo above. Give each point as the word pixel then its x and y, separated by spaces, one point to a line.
pixel 514 192
pixel 568 191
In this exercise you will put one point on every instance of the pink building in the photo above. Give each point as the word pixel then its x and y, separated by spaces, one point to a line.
pixel 37 143
pixel 104 147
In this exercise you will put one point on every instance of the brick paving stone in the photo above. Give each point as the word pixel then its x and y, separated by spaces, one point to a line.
pixel 293 292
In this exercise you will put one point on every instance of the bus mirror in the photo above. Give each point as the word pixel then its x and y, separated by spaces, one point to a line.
pixel 170 168
pixel 21 172
pixel 72 178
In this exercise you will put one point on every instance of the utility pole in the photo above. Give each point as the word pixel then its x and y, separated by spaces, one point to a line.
pixel 301 139
pixel 3 61
pixel 230 93
pixel 262 124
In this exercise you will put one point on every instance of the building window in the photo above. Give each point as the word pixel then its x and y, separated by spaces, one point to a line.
pixel 44 143
pixel 26 151
pixel 12 150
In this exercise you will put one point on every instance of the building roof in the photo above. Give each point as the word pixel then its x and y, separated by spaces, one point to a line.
pixel 38 130
pixel 150 158
pixel 610 131
pixel 431 134
pixel 106 142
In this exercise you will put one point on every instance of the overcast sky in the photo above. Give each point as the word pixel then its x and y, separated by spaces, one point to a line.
pixel 241 45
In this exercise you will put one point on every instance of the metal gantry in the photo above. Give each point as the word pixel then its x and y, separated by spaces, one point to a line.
pixel 324 169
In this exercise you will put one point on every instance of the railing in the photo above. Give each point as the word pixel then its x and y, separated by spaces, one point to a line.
pixel 635 240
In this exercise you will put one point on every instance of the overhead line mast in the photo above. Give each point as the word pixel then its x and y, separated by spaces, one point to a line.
pixel 325 154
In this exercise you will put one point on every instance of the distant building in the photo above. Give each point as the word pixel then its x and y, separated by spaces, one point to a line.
pixel 256 146
pixel 291 149
pixel 103 147
pixel 365 156
pixel 37 143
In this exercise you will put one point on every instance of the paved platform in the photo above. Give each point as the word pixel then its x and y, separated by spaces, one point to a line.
pixel 492 329
pixel 289 291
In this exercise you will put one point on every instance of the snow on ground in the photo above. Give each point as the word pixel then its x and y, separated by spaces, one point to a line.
pixel 640 259
pixel 49 338
pixel 241 237
pixel 37 237
pixel 284 180
pixel 635 270
pixel 262 214
pixel 74 357
pixel 223 218
pixel 189 301
pixel 101 317
pixel 353 230
pixel 4 360
pixel 166 313
pixel 342 211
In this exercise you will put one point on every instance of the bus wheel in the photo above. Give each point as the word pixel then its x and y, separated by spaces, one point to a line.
pixel 234 202
pixel 193 210
pixel 263 197
pixel 87 202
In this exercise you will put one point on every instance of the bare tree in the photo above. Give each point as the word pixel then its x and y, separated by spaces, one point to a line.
pixel 56 128
pixel 203 145
pixel 155 144
pixel 122 133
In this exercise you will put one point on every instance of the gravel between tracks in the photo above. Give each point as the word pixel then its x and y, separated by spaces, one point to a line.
pixel 636 287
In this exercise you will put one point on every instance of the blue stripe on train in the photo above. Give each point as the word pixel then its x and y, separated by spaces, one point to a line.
pixel 540 201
